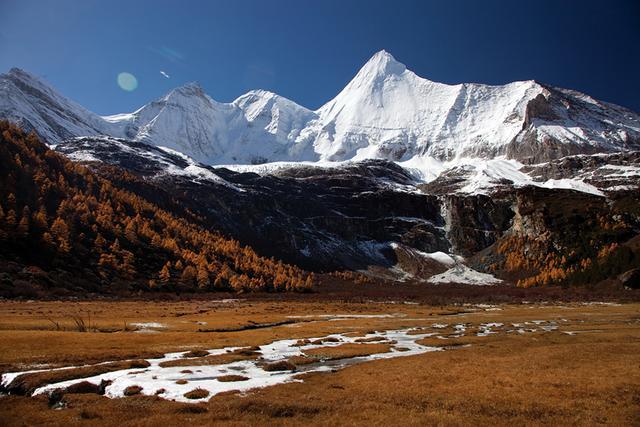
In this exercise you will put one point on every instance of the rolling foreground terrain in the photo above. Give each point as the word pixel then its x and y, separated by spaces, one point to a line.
pixel 317 363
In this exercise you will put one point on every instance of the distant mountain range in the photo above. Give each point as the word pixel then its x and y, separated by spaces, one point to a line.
pixel 398 176
pixel 385 112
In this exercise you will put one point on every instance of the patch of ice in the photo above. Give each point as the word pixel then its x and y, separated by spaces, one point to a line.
pixel 149 325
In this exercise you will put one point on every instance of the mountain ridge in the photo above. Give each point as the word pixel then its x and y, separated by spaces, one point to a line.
pixel 386 111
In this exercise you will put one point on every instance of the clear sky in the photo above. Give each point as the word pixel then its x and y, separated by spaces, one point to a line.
pixel 308 50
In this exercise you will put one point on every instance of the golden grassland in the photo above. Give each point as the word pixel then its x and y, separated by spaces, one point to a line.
pixel 590 377
pixel 345 351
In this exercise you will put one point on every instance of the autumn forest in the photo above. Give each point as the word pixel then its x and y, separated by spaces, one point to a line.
pixel 61 225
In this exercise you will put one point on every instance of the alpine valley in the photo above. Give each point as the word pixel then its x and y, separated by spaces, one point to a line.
pixel 399 178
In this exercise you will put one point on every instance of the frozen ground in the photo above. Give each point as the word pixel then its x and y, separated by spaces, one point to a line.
pixel 173 382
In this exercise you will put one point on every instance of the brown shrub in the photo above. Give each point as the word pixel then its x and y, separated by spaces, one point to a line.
pixel 181 382
pixel 198 393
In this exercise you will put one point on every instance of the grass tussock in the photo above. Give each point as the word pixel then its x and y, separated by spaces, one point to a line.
pixel 196 353
pixel 83 387
pixel 132 390
pixel 198 393
pixel 232 378
pixel 182 382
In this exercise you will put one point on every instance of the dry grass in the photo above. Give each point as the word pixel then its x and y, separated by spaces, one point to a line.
pixel 197 393
pixel 83 387
pixel 301 360
pixel 505 379
pixel 232 378
pixel 346 351
pixel 458 341
pixel 230 357
pixel 196 353
pixel 324 340
pixel 282 365
pixel 132 390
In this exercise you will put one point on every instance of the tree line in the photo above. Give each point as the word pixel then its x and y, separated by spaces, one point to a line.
pixel 57 214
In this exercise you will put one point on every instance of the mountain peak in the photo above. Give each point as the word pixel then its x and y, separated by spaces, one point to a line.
pixel 188 93
pixel 383 63
pixel 191 88
pixel 24 76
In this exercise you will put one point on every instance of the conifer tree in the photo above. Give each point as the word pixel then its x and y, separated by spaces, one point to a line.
pixel 165 273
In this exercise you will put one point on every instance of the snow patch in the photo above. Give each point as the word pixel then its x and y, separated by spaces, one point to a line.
pixel 464 275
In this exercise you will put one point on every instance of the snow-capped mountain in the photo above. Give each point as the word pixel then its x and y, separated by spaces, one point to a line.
pixel 393 170
pixel 255 128
pixel 389 112
pixel 385 112
pixel 34 105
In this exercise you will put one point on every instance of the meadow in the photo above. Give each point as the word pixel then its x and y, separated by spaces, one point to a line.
pixel 338 362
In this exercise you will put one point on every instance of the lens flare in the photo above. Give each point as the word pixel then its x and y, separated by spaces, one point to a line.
pixel 127 81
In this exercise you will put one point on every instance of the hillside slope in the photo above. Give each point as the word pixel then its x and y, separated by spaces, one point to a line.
pixel 63 228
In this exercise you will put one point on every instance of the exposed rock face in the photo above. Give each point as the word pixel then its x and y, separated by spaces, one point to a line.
pixel 323 218
pixel 372 214
pixel 605 171
pixel 560 122
pixel 475 222
pixel 568 236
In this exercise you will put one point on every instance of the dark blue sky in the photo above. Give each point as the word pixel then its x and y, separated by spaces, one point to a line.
pixel 309 50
